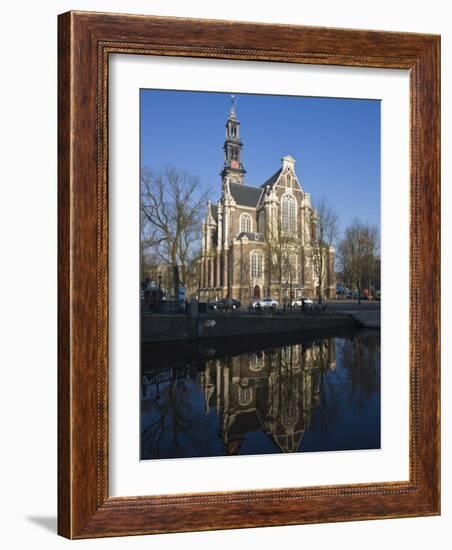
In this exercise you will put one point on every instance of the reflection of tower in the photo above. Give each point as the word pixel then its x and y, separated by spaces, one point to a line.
pixel 208 383
pixel 238 379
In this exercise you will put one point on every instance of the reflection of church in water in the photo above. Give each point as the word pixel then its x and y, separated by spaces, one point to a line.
pixel 273 391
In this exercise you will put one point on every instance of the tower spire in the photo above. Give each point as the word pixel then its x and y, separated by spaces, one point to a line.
pixel 233 169
pixel 233 104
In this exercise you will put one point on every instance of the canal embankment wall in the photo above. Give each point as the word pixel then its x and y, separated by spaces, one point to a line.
pixel 161 327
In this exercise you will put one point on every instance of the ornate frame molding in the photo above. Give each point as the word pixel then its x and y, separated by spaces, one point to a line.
pixel 85 42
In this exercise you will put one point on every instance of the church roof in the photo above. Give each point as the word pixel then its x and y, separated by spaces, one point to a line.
pixel 271 180
pixel 245 195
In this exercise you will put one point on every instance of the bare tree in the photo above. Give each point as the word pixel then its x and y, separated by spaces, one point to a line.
pixel 175 424
pixel 322 233
pixel 190 272
pixel 149 266
pixel 360 358
pixel 239 263
pixel 358 252
pixel 172 204
pixel 281 248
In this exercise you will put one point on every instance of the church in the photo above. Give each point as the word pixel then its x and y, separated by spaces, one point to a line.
pixel 256 241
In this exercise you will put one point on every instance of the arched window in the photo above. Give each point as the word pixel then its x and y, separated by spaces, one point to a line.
pixel 245 395
pixel 289 215
pixel 257 264
pixel 288 180
pixel 256 362
pixel 245 223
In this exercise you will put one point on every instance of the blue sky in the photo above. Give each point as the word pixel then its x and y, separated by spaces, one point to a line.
pixel 336 143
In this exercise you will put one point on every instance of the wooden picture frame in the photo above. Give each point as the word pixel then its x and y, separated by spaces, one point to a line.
pixel 86 40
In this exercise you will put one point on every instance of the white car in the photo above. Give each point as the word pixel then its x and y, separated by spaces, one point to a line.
pixel 299 302
pixel 266 303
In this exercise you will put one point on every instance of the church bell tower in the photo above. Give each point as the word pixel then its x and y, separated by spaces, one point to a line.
pixel 233 169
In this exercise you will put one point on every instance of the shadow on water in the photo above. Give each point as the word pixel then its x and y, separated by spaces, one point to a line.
pixel 262 394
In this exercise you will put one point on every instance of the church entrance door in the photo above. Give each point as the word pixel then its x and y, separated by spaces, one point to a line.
pixel 257 291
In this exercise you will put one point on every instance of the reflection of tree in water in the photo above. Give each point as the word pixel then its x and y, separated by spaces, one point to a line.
pixel 175 419
pixel 360 358
pixel 325 382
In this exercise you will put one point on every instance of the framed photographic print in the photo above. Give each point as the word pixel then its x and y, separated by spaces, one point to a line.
pixel 248 275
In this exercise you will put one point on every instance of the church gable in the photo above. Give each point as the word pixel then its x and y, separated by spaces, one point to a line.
pixel 288 182
pixel 284 176
pixel 288 178
pixel 283 180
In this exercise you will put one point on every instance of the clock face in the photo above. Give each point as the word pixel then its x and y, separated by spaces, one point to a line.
pixel 234 164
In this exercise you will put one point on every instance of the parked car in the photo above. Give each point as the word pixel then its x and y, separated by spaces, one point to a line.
pixel 299 302
pixel 225 304
pixel 265 303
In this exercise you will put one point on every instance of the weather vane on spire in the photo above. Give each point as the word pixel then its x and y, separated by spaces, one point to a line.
pixel 233 104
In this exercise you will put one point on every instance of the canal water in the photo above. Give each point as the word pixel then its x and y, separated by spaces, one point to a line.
pixel 260 395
